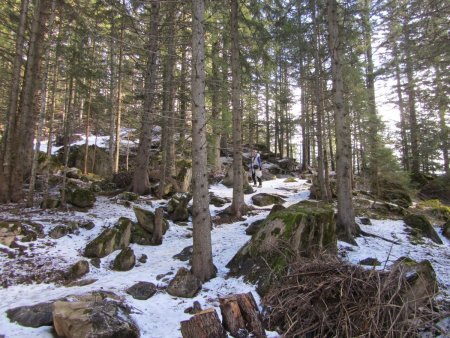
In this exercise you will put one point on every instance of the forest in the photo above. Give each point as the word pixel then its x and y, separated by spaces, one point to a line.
pixel 132 126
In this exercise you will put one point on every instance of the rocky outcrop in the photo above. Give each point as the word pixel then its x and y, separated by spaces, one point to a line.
pixel 142 290
pixel 93 316
pixel 421 227
pixel 50 203
pixel 110 240
pixel 184 284
pixel 177 207
pixel 185 254
pixel 79 269
pixel 58 232
pixel 264 199
pixel 438 188
pixel 301 229
pixel 124 261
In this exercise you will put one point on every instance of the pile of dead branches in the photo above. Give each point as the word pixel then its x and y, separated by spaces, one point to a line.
pixel 325 297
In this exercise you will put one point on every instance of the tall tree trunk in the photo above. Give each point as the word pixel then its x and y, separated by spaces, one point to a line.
pixel 26 122
pixel 319 107
pixel 43 108
pixel 345 223
pixel 7 143
pixel 202 263
pixel 442 101
pixel 238 189
pixel 183 98
pixel 167 163
pixel 414 128
pixel 141 183
pixel 88 115
pixel 112 91
pixel 215 110
pixel 119 98
pixel 266 110
pixel 401 106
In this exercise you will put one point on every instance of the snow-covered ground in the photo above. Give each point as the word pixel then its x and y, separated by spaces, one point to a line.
pixel 160 315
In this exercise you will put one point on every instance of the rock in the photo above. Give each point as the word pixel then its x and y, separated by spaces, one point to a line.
pixel 421 279
pixel 96 262
pixel 142 290
pixel 263 199
pixel 50 203
pixel 177 207
pixel 217 201
pixel 143 259
pixel 129 196
pixel 110 240
pixel 89 225
pixel 254 227
pixel 79 197
pixel 32 316
pixel 93 318
pixel 83 282
pixel 194 309
pixel 141 236
pixel 305 228
pixel 184 284
pixel 370 261
pixel 228 180
pixel 185 254
pixel 78 270
pixel 421 227
pixel 74 173
pixel 9 231
pixel 365 220
pixel 438 188
pixel 290 180
pixel 275 208
pixel 98 160
pixel 446 230
pixel 124 261
pixel 184 176
pixel 58 232
pixel 146 220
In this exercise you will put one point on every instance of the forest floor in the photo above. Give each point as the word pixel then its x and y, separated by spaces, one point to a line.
pixel 160 315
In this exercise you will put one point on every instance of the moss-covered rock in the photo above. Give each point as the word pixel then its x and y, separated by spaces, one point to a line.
pixel 58 232
pixel 290 180
pixel 140 236
pixel 184 284
pixel 177 207
pixel 79 269
pixel 110 240
pixel 301 229
pixel 129 196
pixel 124 261
pixel 9 231
pixel 146 220
pixel 184 176
pixel 79 197
pixel 421 227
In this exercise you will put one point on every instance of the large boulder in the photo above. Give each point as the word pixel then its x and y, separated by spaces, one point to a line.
pixel 228 180
pixel 125 260
pixel 264 199
pixel 98 161
pixel 9 231
pixel 110 240
pixel 142 290
pixel 421 227
pixel 421 279
pixel 146 220
pixel 184 284
pixel 79 269
pixel 177 207
pixel 32 316
pixel 80 197
pixel 304 229
pixel 93 317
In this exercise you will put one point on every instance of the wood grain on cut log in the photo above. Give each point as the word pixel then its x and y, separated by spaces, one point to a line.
pixel 157 231
pixel 240 312
pixel 205 324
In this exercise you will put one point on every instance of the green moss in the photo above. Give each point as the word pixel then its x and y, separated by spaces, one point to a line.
pixel 290 180
pixel 276 231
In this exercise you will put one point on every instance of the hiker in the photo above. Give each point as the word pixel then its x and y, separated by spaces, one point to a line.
pixel 256 168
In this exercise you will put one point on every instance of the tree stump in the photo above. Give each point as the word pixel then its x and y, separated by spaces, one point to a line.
pixel 205 324
pixel 157 231
pixel 240 313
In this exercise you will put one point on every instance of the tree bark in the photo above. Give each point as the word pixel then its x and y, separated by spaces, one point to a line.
pixel 141 183
pixel 345 223
pixel 205 324
pixel 238 190
pixel 202 263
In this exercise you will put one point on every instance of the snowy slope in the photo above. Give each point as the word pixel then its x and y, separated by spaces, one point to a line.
pixel 160 315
